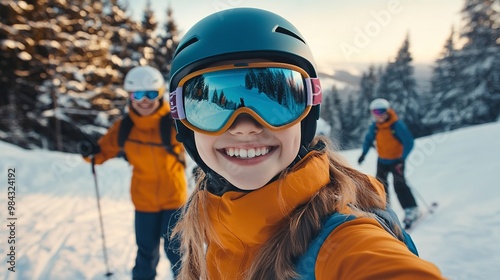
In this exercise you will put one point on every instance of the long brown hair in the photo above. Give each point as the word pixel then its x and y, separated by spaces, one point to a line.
pixel 275 260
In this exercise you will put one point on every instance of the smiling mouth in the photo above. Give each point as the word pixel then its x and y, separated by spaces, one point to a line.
pixel 145 106
pixel 247 153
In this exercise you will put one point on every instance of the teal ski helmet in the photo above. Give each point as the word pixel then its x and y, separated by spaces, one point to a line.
pixel 240 34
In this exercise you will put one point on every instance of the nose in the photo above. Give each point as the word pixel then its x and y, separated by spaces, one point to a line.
pixel 245 124
pixel 146 100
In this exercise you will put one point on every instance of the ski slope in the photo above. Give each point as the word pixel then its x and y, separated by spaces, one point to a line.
pixel 57 233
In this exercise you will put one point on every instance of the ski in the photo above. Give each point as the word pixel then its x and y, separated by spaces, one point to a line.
pixel 410 225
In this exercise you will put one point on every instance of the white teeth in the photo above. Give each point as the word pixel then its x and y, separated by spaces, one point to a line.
pixel 251 153
pixel 244 153
pixel 257 152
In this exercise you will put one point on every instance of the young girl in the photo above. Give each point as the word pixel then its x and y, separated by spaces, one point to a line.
pixel 246 100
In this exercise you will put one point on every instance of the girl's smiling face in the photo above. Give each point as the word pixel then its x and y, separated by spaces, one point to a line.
pixel 249 155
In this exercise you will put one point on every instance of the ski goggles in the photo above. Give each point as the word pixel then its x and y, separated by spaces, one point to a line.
pixel 141 94
pixel 378 112
pixel 277 95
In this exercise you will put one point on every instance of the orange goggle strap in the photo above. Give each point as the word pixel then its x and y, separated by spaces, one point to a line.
pixel 313 88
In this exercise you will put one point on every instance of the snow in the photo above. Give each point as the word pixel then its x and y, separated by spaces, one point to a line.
pixel 58 236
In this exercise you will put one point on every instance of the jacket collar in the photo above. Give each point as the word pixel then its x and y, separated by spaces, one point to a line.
pixel 240 219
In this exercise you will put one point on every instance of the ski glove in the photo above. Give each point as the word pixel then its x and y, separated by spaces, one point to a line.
pixel 399 166
pixel 361 159
pixel 87 148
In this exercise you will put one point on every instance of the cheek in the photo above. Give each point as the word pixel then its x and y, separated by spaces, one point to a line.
pixel 134 105
pixel 290 140
pixel 204 145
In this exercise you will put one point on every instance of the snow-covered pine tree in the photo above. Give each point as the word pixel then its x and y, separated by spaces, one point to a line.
pixel 15 66
pixel 125 40
pixel 351 135
pixel 77 89
pixel 480 62
pixel 65 62
pixel 465 88
pixel 149 39
pixel 168 42
pixel 442 103
pixel 331 111
pixel 368 87
pixel 398 85
pixel 367 92
pixel 328 108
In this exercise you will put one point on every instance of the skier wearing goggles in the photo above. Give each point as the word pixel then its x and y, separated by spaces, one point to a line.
pixel 158 185
pixel 245 95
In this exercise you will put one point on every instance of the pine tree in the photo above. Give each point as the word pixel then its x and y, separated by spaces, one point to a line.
pixel 443 103
pixel 466 82
pixel 62 65
pixel 368 88
pixel 480 62
pixel 398 86
pixel 15 60
pixel 79 69
pixel 149 39
pixel 125 50
pixel 168 42
pixel 28 52
pixel 350 123
pixel 331 112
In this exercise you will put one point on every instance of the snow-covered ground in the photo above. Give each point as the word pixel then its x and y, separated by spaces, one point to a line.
pixel 57 233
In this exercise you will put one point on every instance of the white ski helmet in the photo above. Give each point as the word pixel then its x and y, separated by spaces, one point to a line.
pixel 379 103
pixel 142 78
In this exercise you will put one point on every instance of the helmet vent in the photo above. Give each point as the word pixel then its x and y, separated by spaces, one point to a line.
pixel 285 31
pixel 187 44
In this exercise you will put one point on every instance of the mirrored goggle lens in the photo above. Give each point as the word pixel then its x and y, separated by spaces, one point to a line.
pixel 277 95
pixel 149 94
pixel 379 112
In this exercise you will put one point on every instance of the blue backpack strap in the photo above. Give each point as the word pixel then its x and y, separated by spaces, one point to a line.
pixel 166 126
pixel 166 123
pixel 123 132
pixel 306 263
pixel 390 222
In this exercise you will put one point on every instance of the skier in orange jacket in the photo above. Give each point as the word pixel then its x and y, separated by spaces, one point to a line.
pixel 268 188
pixel 159 185
pixel 394 143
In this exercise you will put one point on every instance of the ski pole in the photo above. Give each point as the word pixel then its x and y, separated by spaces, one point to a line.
pixel 429 208
pixel 105 253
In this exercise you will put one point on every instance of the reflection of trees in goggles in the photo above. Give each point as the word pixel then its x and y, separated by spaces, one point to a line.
pixel 276 94
pixel 149 94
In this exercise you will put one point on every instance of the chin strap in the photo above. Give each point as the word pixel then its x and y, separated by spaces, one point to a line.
pixel 303 151
pixel 218 185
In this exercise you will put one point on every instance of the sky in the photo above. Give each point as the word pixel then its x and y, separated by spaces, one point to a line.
pixel 58 237
pixel 342 34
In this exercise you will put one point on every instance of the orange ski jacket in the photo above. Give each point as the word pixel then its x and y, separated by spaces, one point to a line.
pixel 393 139
pixel 388 146
pixel 358 249
pixel 158 177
